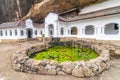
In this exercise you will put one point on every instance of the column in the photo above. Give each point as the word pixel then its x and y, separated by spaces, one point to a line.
pixel 119 29
pixel 2 34
pixel 83 31
pixel 79 32
pixel 55 31
pixel 19 33
pixel 103 30
pixel 96 31
pixel 46 30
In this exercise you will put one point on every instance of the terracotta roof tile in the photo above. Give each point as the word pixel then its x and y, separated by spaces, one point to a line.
pixel 38 25
pixel 12 24
pixel 104 12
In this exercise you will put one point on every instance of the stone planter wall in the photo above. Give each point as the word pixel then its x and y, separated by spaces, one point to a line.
pixel 21 61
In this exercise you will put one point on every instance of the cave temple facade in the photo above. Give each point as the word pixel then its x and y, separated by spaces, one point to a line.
pixel 100 21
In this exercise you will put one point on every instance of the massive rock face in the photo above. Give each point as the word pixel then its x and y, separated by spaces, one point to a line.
pixel 12 10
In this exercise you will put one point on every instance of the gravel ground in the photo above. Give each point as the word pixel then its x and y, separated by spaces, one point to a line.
pixel 7 73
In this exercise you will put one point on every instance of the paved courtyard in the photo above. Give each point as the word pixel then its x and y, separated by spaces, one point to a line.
pixel 7 73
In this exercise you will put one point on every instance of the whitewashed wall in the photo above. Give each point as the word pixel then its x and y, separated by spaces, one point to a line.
pixel 8 33
pixel 29 24
pixel 99 25
pixel 65 29
pixel 51 18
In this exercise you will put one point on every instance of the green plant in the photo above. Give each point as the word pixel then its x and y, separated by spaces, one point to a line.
pixel 66 53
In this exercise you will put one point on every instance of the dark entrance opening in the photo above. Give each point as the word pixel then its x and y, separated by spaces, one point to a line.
pixel 29 33
pixel 51 30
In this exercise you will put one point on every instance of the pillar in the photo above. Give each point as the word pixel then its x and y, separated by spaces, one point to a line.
pixel 83 31
pixel 55 31
pixel 103 30
pixel 79 32
pixel 95 31
pixel 119 29
pixel 46 30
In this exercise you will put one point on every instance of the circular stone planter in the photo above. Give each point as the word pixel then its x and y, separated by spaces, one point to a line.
pixel 21 62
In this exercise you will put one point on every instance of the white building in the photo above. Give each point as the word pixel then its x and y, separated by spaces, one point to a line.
pixel 99 21
pixel 17 31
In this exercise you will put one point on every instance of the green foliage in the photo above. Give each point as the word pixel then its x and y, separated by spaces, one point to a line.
pixel 62 53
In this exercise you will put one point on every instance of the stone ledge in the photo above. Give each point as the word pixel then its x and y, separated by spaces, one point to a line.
pixel 21 62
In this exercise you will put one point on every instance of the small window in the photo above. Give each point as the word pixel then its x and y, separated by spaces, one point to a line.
pixel 68 31
pixel 22 32
pixel 10 32
pixel 41 32
pixel 62 31
pixel 6 32
pixel 1 33
pixel 89 30
pixel 51 32
pixel 35 32
pixel 15 32
pixel 74 30
pixel 111 29
pixel 116 27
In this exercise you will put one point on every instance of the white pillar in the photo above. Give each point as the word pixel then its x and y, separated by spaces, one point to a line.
pixel 79 32
pixel 18 33
pixel 99 32
pixel 83 31
pixel 3 34
pixel 119 29
pixel 96 31
pixel 13 32
pixel 103 30
pixel 34 33
pixel 65 32
pixel 55 31
pixel 46 30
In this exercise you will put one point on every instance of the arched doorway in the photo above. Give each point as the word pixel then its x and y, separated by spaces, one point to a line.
pixel 74 31
pixel 111 29
pixel 29 33
pixel 51 30
pixel 89 30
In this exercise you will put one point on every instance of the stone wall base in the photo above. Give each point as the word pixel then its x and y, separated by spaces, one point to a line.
pixel 49 39
pixel 19 40
pixel 22 62
pixel 12 40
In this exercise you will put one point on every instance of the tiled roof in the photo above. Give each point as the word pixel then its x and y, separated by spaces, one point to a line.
pixel 38 25
pixel 104 12
pixel 18 24
pixel 12 24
